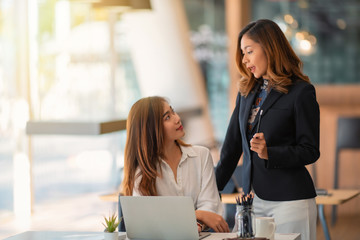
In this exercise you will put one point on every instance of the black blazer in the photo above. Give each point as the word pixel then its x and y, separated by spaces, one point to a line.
pixel 290 123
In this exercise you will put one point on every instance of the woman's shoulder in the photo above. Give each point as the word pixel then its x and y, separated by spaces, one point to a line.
pixel 302 91
pixel 297 81
pixel 301 85
pixel 198 155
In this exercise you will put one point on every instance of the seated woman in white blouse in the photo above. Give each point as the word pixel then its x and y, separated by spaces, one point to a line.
pixel 158 163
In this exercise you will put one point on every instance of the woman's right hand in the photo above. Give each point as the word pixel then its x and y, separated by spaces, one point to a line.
pixel 258 145
pixel 212 220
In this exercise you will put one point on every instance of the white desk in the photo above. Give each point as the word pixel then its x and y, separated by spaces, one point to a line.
pixel 53 235
pixel 57 235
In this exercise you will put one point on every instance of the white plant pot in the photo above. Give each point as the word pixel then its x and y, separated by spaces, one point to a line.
pixel 111 235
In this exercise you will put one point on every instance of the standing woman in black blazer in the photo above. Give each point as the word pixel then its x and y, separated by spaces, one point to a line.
pixel 275 126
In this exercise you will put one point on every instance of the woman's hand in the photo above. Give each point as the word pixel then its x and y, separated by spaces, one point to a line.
pixel 199 227
pixel 258 145
pixel 212 220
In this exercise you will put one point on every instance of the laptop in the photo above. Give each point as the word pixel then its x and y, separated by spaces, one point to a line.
pixel 160 218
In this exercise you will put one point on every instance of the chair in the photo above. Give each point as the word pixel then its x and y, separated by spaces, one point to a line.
pixel 121 227
pixel 348 137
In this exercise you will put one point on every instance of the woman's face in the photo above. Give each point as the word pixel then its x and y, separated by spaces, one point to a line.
pixel 173 128
pixel 254 57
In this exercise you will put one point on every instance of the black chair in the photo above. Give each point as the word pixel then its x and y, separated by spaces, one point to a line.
pixel 121 227
pixel 348 137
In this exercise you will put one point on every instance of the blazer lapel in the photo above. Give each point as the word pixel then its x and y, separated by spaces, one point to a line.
pixel 272 97
pixel 245 108
pixel 244 113
pixel 270 100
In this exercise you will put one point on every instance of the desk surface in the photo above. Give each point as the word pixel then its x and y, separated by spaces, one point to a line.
pixel 55 235
pixel 336 197
pixel 112 197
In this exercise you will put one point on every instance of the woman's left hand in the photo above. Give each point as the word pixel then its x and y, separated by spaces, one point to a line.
pixel 212 220
pixel 258 145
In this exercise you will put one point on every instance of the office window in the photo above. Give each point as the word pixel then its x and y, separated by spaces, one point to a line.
pixel 11 103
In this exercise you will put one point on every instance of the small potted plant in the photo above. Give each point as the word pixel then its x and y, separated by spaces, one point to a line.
pixel 110 225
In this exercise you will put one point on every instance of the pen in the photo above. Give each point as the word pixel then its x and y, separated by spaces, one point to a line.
pixel 258 125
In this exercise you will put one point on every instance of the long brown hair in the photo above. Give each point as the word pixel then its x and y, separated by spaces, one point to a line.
pixel 283 63
pixel 144 145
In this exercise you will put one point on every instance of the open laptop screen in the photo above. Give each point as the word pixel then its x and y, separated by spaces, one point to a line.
pixel 159 217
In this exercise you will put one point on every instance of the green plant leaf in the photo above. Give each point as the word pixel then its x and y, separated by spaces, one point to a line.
pixel 110 223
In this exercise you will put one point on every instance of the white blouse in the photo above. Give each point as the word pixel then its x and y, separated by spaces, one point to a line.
pixel 195 178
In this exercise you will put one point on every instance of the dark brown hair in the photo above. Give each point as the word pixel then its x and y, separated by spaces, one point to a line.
pixel 144 145
pixel 283 63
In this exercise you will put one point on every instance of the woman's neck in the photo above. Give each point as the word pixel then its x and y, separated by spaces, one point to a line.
pixel 171 151
pixel 172 156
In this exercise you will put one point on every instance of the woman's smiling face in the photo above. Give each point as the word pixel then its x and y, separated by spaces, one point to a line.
pixel 254 57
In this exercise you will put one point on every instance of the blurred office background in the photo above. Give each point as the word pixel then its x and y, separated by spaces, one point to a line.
pixel 80 61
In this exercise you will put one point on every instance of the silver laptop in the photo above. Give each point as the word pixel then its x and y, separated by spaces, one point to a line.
pixel 160 218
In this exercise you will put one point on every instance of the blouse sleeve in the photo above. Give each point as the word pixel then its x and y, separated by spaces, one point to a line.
pixel 209 198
